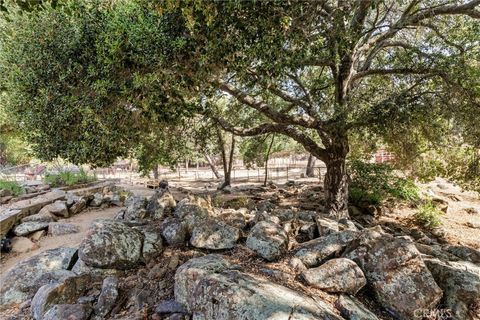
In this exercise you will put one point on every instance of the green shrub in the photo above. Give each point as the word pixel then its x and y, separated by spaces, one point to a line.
pixel 68 178
pixel 428 215
pixel 13 186
pixel 373 183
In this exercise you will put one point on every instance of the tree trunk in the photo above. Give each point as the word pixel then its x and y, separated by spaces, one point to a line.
pixel 227 163
pixel 155 172
pixel 310 172
pixel 212 165
pixel 336 179
pixel 266 161
pixel 228 175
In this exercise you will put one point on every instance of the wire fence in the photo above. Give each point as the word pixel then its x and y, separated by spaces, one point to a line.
pixel 277 173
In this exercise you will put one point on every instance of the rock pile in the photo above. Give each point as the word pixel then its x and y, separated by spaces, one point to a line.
pixel 327 267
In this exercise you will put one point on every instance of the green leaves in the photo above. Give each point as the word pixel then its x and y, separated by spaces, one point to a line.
pixel 86 81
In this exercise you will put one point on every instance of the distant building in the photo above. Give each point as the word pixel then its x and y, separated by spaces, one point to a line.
pixel 383 155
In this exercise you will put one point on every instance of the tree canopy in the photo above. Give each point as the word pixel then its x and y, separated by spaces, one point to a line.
pixel 90 76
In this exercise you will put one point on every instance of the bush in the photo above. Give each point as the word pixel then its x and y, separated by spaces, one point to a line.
pixel 68 178
pixel 13 186
pixel 459 164
pixel 373 183
pixel 428 215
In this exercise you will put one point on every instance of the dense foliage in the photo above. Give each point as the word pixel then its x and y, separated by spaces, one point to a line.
pixel 85 79
pixel 94 80
pixel 374 183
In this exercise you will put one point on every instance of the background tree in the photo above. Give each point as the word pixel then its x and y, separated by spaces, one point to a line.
pixel 85 79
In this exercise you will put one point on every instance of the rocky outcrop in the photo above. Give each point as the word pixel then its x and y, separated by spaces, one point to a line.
pixel 210 288
pixel 111 244
pixel 460 282
pixel 268 240
pixel 336 275
pixel 214 235
pixel 23 280
pixel 397 274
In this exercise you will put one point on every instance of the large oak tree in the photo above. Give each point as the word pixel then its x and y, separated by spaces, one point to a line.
pixel 342 66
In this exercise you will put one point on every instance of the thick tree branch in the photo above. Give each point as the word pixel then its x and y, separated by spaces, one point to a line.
pixel 266 109
pixel 462 9
pixel 400 71
pixel 309 144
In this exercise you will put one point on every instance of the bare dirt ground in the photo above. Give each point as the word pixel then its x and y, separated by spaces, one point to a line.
pixel 82 220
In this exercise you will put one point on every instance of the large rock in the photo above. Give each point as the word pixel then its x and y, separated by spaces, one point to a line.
pixel 59 229
pixel 352 309
pixel 313 252
pixel 22 244
pixel 214 235
pixel 42 216
pixel 26 228
pixel 67 291
pixel 326 226
pixel 460 282
pixel 268 239
pixel 78 206
pixel 336 275
pixel 58 208
pixel 174 231
pixel 197 208
pixel 97 200
pixel 136 208
pixel 234 218
pixel 464 253
pixel 25 278
pixel 210 288
pixel 161 203
pixel 394 269
pixel 108 297
pixel 69 312
pixel 152 242
pixel 111 244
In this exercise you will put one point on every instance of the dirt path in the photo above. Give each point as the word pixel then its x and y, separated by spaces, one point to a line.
pixel 82 220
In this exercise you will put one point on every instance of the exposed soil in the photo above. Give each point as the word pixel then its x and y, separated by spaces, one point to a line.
pixel 82 220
